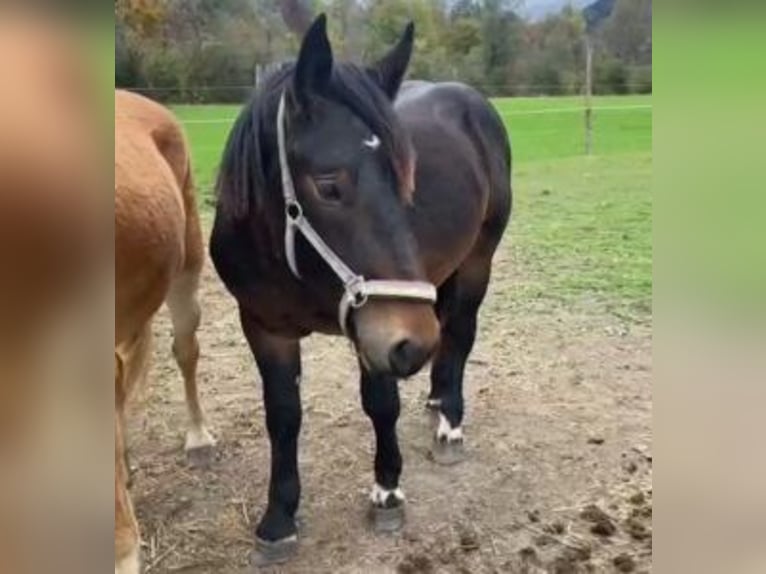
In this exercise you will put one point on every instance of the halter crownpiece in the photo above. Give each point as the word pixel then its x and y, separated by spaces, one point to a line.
pixel 357 289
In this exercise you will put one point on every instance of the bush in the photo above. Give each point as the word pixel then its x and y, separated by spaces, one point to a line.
pixel 220 67
pixel 545 79
pixel 641 80
pixel 163 70
pixel 127 64
pixel 610 77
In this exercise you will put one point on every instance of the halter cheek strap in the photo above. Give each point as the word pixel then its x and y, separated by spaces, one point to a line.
pixel 357 290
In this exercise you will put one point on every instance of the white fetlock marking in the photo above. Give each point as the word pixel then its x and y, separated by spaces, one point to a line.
pixel 129 564
pixel 198 438
pixel 446 432
pixel 379 495
pixel 434 403
pixel 285 540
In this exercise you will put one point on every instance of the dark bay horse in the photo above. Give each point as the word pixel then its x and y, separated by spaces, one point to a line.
pixel 349 205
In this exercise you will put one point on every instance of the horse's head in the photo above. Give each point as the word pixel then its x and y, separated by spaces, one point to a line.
pixel 352 165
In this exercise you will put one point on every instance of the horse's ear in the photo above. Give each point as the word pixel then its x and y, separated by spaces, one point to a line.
pixel 389 70
pixel 314 67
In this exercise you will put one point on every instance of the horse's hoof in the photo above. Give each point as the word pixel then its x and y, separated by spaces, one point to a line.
pixel 387 519
pixel 268 553
pixel 201 456
pixel 448 452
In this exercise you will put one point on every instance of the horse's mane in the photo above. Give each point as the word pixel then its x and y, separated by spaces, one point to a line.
pixel 249 164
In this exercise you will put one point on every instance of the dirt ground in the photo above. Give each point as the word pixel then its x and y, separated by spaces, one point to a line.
pixel 558 434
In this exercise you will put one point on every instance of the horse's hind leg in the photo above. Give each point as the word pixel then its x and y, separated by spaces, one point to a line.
pixel 126 536
pixel 459 301
pixel 132 363
pixel 185 315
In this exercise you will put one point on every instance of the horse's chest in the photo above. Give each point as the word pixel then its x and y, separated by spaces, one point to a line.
pixel 288 311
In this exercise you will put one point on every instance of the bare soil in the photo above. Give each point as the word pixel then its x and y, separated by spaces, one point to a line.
pixel 558 437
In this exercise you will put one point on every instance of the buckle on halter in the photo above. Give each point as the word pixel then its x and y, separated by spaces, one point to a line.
pixel 293 211
pixel 358 295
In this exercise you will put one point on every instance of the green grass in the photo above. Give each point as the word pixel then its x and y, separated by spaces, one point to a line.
pixel 581 228
pixel 582 232
pixel 621 124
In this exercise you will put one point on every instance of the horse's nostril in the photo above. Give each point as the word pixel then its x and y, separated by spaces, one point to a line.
pixel 406 357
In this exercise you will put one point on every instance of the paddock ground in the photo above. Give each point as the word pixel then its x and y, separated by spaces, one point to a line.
pixel 558 413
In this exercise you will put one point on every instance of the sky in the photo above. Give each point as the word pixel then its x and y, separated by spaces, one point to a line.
pixel 537 9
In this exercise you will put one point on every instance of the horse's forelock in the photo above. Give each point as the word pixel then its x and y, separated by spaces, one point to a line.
pixel 242 177
pixel 354 88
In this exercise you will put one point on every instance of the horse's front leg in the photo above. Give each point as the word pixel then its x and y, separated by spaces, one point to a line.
pixel 279 364
pixel 459 300
pixel 380 400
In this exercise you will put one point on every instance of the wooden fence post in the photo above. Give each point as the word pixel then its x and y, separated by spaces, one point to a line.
pixel 588 94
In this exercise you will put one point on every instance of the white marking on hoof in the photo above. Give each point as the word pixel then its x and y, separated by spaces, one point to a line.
pixel 285 540
pixel 373 142
pixel 446 432
pixel 129 564
pixel 198 437
pixel 379 495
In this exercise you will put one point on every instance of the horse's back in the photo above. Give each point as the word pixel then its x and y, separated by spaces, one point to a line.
pixel 156 223
pixel 463 170
pixel 460 111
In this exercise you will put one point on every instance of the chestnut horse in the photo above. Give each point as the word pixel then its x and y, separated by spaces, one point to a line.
pixel 158 258
pixel 343 208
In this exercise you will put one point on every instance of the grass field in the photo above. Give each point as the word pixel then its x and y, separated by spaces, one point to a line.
pixel 581 228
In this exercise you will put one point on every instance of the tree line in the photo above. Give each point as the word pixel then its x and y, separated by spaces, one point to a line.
pixel 211 50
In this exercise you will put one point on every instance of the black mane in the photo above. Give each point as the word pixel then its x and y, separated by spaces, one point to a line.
pixel 249 166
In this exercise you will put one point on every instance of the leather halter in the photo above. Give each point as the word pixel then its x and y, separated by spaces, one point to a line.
pixel 357 289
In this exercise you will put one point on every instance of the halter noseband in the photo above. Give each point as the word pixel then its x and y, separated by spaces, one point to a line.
pixel 357 290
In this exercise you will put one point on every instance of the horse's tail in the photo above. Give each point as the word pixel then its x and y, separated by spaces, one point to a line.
pixel 194 248
pixel 168 136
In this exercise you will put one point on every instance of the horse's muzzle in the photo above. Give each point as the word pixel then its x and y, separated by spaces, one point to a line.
pixel 395 337
pixel 407 357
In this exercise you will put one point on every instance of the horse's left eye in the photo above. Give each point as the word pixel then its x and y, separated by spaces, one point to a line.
pixel 329 191
pixel 327 187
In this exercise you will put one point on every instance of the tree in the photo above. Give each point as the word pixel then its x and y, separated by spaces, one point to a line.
pixel 201 50
pixel 627 34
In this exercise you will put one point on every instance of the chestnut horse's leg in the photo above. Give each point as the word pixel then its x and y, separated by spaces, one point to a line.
pixel 459 301
pixel 279 363
pixel 380 401
pixel 126 536
pixel 185 315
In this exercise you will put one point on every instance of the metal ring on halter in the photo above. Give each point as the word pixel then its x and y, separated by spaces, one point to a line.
pixel 357 295
pixel 359 299
pixel 293 210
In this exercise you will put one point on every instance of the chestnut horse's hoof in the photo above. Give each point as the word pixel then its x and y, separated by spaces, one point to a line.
pixel 387 519
pixel 201 456
pixel 268 553
pixel 447 452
